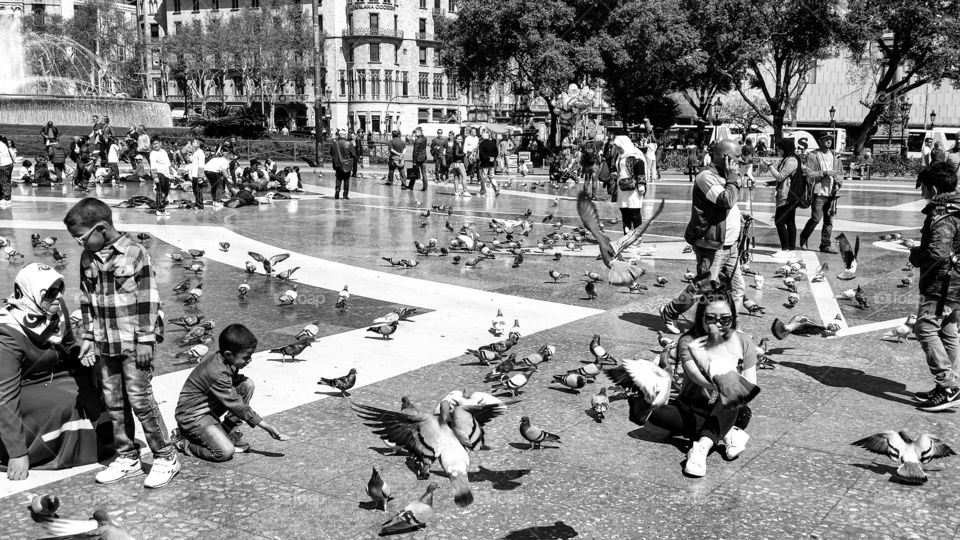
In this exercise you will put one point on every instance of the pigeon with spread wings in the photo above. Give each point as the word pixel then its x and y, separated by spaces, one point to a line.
pixel 43 510
pixel 268 263
pixel 908 451
pixel 621 272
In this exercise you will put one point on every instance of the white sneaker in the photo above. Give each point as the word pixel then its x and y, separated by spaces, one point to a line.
pixel 162 472
pixel 121 468
pixel 696 465
pixel 735 442
pixel 785 254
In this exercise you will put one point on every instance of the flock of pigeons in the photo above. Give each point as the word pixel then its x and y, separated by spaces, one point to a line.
pixel 455 427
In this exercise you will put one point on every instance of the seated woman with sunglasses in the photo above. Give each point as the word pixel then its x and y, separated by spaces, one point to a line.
pixel 50 408
pixel 712 347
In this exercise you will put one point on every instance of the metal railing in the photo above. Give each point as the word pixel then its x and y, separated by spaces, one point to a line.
pixel 372 32
pixel 424 36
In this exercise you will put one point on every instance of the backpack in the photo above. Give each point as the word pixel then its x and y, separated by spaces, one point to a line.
pixel 589 153
pixel 638 176
pixel 801 188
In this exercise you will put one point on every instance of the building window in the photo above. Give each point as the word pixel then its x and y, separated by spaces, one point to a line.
pixel 375 123
pixel 436 4
pixel 374 23
pixel 438 86
pixel 237 85
pixel 196 6
pixel 436 57
pixel 423 26
pixel 234 4
pixel 388 84
pixel 396 55
pixel 423 4
pixel 349 55
pixel 811 77
pixel 320 22
pixel 375 83
pixel 452 7
pixel 423 85
pixel 176 6
pixel 254 3
pixel 177 26
pixel 423 116
pixel 451 89
pixel 406 85
pixel 350 89
pixel 438 116
pixel 154 30
pixel 375 52
pixel 343 84
pixel 361 83
pixel 423 56
pixel 158 88
pixel 216 5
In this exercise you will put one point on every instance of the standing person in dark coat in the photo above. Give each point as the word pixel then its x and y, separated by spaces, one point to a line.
pixel 419 158
pixel 49 133
pixel 344 156
pixel 396 147
pixel 487 153
pixel 358 146
pixel 438 149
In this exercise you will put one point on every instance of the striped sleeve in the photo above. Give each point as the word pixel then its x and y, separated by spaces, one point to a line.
pixel 717 190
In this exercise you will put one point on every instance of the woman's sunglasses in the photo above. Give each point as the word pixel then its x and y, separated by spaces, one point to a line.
pixel 722 320
pixel 53 292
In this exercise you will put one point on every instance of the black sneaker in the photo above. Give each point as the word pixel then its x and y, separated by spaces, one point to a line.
pixel 942 398
pixel 803 245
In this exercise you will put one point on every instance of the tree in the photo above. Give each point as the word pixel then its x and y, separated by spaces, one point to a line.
pixel 901 45
pixel 723 64
pixel 191 57
pixel 540 45
pixel 781 41
pixel 745 116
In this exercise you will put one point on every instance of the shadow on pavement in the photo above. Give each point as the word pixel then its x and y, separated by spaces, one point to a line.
pixel 855 379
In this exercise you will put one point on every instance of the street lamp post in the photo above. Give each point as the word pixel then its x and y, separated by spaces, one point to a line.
pixel 904 120
pixel 933 118
pixel 717 111
pixel 317 82
pixel 833 120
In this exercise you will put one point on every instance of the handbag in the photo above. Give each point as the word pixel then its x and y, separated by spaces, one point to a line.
pixel 413 173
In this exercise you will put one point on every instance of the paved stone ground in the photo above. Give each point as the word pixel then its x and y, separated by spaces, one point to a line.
pixel 798 478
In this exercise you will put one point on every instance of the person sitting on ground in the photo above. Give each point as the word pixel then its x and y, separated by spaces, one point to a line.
pixel 713 346
pixel 243 197
pixel 53 414
pixel 41 173
pixel 939 285
pixel 215 400
pixel 58 158
pixel 26 171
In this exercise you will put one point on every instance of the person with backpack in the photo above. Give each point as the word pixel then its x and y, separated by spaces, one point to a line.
pixel 631 181
pixel 788 178
pixel 589 156
pixel 344 155
pixel 826 182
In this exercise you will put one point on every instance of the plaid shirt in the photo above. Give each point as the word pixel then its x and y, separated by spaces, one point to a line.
pixel 120 302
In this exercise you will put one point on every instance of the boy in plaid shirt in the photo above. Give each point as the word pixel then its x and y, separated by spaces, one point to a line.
pixel 121 325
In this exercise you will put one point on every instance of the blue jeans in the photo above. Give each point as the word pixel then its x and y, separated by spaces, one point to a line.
pixel 208 438
pixel 936 329
pixel 819 210
pixel 709 265
pixel 127 392
pixel 6 182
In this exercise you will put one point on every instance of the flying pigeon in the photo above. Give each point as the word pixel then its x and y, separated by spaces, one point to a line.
pixel 908 451
pixel 649 381
pixel 621 272
pixel 849 257
pixel 341 383
pixel 534 435
pixel 268 264
pixel 43 510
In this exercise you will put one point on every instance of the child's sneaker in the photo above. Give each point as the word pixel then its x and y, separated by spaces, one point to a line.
pixel 735 443
pixel 696 465
pixel 121 468
pixel 162 472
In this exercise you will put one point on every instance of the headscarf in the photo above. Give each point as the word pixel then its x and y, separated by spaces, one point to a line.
pixel 627 149
pixel 29 288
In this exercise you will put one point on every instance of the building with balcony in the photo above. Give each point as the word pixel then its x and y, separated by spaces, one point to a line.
pixel 381 65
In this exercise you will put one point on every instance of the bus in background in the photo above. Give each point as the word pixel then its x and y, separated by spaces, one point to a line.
pixel 679 136
pixel 947 137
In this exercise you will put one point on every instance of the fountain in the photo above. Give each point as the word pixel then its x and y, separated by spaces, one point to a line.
pixel 72 84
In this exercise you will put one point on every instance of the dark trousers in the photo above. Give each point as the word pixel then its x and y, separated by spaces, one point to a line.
pixel 208 438
pixel 163 191
pixel 81 177
pixel 127 392
pixel 6 182
pixel 343 180
pixel 695 422
pixel 820 209
pixel 632 218
pixel 114 172
pixel 785 219
pixel 195 182
pixel 440 169
pixel 216 185
pixel 400 171
pixel 357 161
pixel 59 169
pixel 421 166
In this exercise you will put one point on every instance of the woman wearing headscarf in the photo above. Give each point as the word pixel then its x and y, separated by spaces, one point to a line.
pixel 631 181
pixel 49 408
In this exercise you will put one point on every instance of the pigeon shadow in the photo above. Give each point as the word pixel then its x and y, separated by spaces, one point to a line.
pixel 499 480
pixel 855 379
pixel 529 446
pixel 384 450
pixel 376 338
pixel 331 394
pixel 369 505
pixel 659 436
pixel 477 363
pixel 557 530
pixel 651 321
pixel 593 414
pixel 883 469
pixel 565 390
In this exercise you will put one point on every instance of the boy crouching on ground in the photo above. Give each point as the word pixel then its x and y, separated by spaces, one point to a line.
pixel 214 388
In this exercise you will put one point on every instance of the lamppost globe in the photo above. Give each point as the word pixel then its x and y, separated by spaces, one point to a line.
pixel 833 113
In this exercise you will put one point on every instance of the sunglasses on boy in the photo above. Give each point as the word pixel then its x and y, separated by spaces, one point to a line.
pixel 722 320
pixel 82 238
